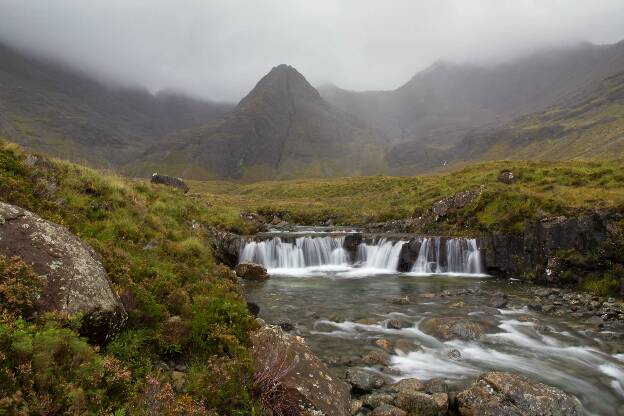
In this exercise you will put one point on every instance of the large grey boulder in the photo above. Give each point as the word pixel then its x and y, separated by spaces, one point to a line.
pixel 76 281
pixel 170 181
pixel 502 394
pixel 287 370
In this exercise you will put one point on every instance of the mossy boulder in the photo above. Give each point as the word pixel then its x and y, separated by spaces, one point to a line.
pixel 75 279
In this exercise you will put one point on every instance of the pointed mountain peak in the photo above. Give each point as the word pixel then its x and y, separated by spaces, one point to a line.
pixel 283 82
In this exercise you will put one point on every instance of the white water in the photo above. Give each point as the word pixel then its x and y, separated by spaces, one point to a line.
pixel 310 254
pixel 460 255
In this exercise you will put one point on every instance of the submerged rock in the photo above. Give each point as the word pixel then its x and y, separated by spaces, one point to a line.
pixel 447 328
pixel 287 363
pixel 251 271
pixel 76 281
pixel 500 393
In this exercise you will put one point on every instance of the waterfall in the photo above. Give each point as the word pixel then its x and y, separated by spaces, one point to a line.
pixel 435 255
pixel 456 255
pixel 383 255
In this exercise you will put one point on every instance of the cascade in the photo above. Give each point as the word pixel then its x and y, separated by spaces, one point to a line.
pixel 436 254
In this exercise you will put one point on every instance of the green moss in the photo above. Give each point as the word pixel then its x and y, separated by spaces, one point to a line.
pixel 154 242
pixel 603 286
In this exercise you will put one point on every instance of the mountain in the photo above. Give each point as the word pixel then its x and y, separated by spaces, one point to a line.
pixel 281 129
pixel 440 105
pixel 49 107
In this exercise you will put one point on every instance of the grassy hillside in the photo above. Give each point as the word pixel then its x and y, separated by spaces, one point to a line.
pixel 541 189
pixel 589 125
pixel 154 245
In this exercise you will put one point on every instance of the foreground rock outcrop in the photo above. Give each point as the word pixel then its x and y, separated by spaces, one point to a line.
pixel 290 377
pixel 76 281
pixel 500 393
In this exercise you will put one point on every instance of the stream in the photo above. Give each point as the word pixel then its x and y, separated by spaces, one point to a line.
pixel 341 301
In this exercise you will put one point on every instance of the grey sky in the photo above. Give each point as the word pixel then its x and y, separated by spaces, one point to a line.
pixel 219 49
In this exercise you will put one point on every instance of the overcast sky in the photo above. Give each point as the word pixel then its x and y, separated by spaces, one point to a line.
pixel 219 49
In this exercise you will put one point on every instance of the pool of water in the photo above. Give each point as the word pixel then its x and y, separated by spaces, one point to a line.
pixel 340 310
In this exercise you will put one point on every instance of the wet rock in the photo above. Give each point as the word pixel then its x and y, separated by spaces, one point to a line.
pixel 499 300
pixel 251 271
pixel 170 181
pixel 76 281
pixel 351 243
pixel 447 328
pixel 376 358
pixel 595 320
pixel 285 325
pixel 436 385
pixel 499 393
pixel 306 379
pixel 417 403
pixel 405 346
pixel 454 355
pixel 407 385
pixel 384 344
pixel 363 380
pixel 377 399
pixel 399 300
pixel 409 254
pixel 253 308
pixel 396 324
pixel 388 410
pixel 356 406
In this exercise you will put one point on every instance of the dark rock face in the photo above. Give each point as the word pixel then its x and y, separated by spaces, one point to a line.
pixel 497 393
pixel 170 181
pixel 447 328
pixel 305 380
pixel 251 271
pixel 351 243
pixel 530 252
pixel 226 246
pixel 76 281
pixel 409 254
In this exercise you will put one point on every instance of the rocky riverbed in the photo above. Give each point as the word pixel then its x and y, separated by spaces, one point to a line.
pixel 451 341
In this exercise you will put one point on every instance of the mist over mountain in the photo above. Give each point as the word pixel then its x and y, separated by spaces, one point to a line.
pixel 49 107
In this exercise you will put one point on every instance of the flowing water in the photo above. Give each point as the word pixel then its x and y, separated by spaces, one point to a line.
pixel 325 290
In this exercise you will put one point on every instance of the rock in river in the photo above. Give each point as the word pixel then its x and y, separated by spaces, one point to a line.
pixel 251 271
pixel 447 328
pixel 286 362
pixel 363 380
pixel 76 281
pixel 498 393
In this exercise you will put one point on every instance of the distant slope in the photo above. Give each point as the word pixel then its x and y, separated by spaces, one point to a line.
pixel 48 107
pixel 587 124
pixel 282 128
pixel 440 105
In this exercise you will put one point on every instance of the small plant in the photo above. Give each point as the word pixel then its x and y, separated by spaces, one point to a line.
pixel 20 287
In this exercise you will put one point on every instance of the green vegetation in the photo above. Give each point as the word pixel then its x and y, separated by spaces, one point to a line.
pixel 183 308
pixel 541 189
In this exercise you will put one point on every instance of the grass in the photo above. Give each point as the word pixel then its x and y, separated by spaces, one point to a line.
pixel 182 306
pixel 542 188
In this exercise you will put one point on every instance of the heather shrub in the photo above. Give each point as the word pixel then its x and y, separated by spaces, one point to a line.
pixel 20 287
